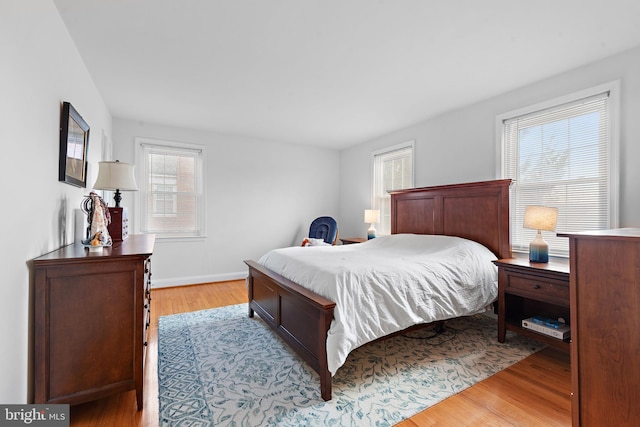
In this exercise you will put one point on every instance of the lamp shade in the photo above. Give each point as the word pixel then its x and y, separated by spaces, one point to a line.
pixel 115 176
pixel 371 216
pixel 540 218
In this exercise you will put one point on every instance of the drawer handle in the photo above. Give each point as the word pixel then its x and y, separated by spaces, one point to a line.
pixel 536 286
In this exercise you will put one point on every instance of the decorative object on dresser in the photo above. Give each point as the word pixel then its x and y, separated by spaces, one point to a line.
pixel 527 289
pixel 540 218
pixel 74 146
pixel 98 220
pixel 352 240
pixel 605 322
pixel 117 176
pixel 371 216
pixel 119 225
pixel 91 321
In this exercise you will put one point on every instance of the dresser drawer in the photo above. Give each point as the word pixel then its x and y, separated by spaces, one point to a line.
pixel 540 288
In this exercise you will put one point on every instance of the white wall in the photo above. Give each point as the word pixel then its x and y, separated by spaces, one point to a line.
pixel 460 146
pixel 260 195
pixel 40 68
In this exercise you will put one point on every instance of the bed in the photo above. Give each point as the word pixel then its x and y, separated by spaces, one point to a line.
pixel 478 212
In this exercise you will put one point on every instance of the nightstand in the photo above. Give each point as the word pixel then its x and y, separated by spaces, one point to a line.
pixel 352 240
pixel 527 289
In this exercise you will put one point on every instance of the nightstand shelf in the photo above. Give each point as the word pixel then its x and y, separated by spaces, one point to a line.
pixel 527 289
pixel 514 322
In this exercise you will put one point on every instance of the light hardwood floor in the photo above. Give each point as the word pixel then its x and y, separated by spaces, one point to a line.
pixel 533 392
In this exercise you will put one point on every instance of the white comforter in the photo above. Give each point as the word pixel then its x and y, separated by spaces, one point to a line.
pixel 390 283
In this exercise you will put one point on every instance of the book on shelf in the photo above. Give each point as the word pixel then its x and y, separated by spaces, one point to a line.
pixel 548 327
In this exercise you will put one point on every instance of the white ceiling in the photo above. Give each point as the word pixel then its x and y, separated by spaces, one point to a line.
pixel 331 73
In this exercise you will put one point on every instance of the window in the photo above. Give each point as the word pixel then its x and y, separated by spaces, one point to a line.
pixel 563 154
pixel 392 170
pixel 170 177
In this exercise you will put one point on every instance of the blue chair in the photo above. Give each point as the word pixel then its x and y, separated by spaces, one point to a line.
pixel 325 228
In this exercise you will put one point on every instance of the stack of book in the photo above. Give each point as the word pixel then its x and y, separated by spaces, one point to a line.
pixel 547 326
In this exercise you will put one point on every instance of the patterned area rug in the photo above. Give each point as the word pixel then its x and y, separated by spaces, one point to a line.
pixel 219 367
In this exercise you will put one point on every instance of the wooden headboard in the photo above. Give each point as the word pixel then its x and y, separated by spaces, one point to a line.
pixel 477 211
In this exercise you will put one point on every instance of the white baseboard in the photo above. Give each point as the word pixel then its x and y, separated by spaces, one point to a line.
pixel 195 280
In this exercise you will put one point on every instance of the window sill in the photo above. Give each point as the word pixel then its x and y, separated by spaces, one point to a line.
pixel 179 239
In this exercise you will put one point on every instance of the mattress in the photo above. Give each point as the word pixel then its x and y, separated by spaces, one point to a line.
pixel 389 283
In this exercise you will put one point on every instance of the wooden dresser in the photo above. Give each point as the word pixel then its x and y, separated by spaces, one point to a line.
pixel 91 321
pixel 605 322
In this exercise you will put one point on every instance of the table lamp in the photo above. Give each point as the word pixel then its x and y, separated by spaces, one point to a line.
pixel 371 217
pixel 540 218
pixel 116 176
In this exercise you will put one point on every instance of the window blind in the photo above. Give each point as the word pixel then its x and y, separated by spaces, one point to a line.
pixel 171 191
pixel 559 157
pixel 393 170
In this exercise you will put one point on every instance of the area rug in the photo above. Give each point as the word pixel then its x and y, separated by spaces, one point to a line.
pixel 219 367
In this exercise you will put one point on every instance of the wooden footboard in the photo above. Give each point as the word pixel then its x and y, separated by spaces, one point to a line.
pixel 301 317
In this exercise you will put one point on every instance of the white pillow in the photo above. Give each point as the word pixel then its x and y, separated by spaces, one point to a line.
pixel 316 242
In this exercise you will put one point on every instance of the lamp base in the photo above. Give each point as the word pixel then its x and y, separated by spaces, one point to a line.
pixel 371 233
pixel 539 249
pixel 118 198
